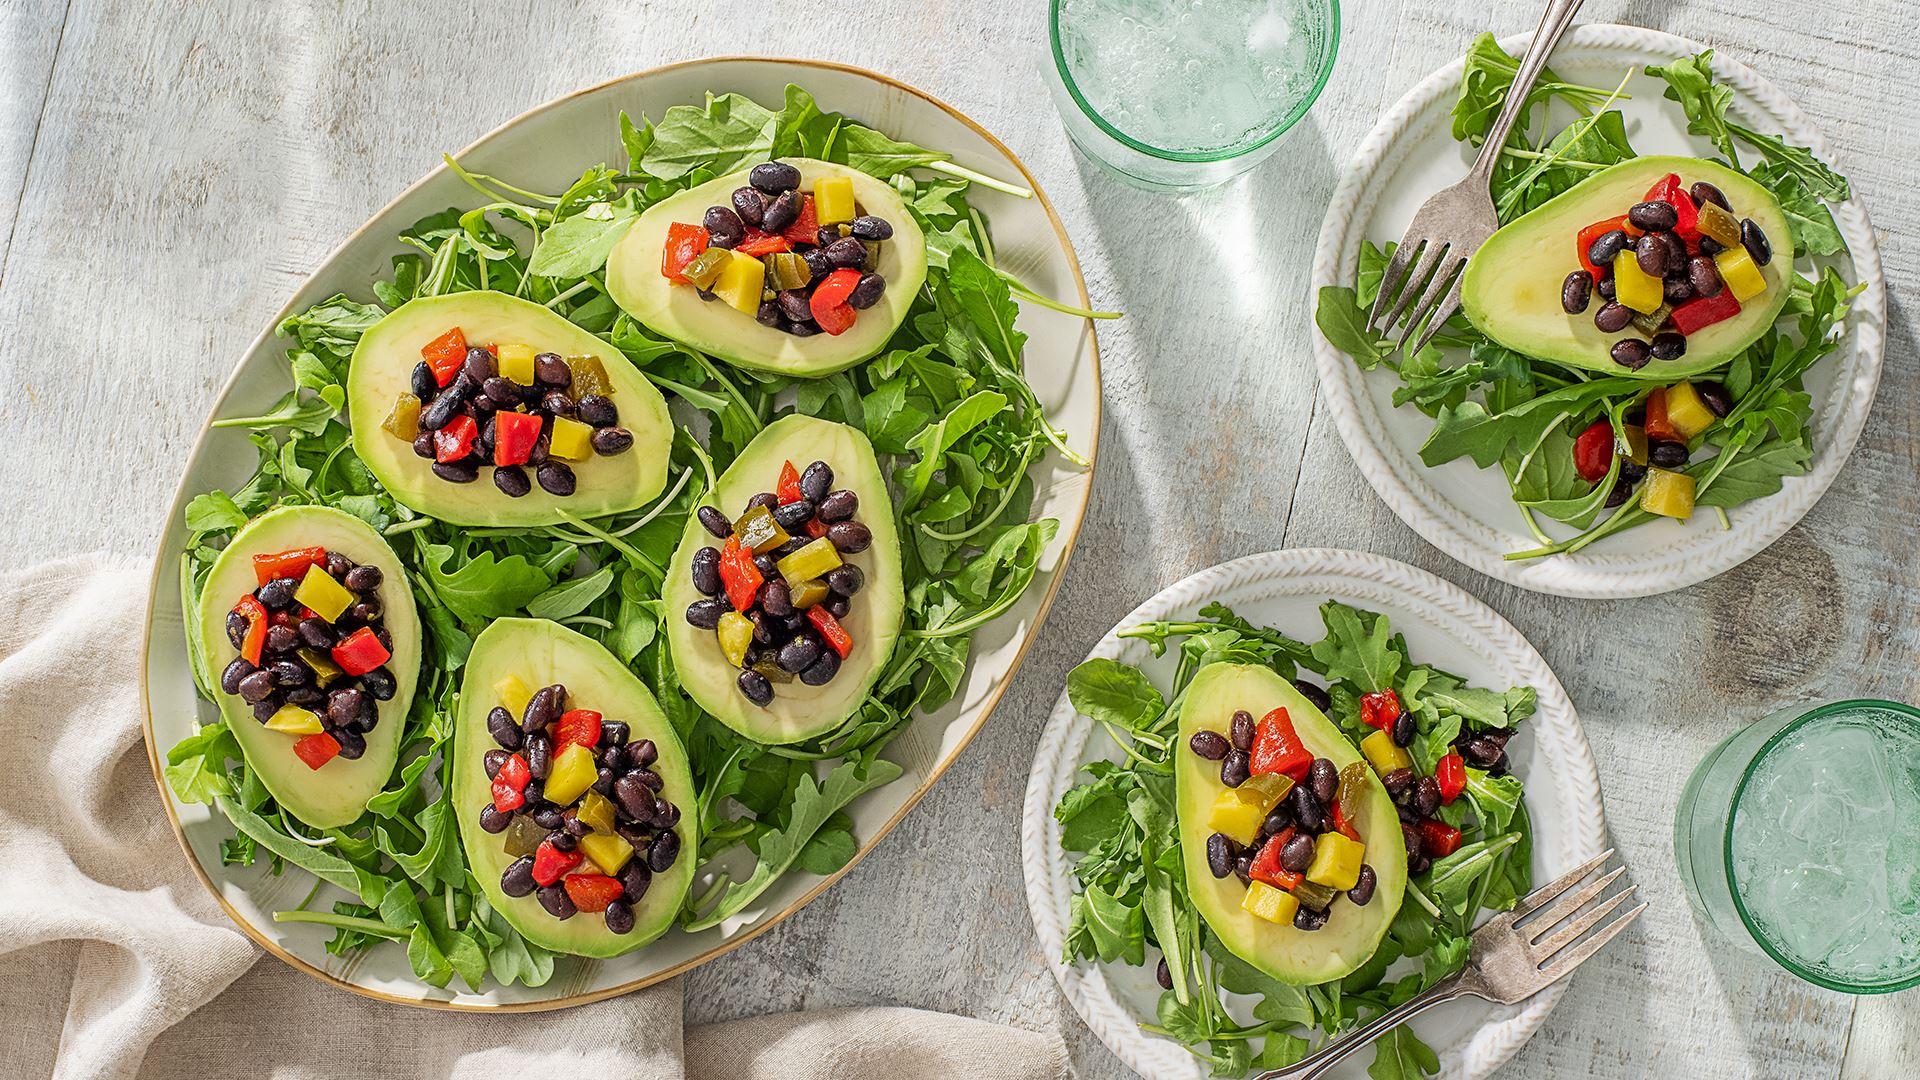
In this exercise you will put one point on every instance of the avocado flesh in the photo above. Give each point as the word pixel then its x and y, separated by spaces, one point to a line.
pixel 336 793
pixel 383 370
pixel 798 711
pixel 1352 933
pixel 541 653
pixel 1511 290
pixel 636 284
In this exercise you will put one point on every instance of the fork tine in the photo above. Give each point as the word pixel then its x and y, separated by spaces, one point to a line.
pixel 1583 922
pixel 1547 893
pixel 1417 283
pixel 1574 957
pixel 1565 909
pixel 1441 313
pixel 1396 270
pixel 1445 284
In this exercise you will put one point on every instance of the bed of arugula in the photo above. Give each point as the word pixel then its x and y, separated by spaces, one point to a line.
pixel 946 406
pixel 1133 883
pixel 1494 406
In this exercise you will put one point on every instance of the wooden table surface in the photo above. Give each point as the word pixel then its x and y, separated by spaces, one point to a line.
pixel 169 172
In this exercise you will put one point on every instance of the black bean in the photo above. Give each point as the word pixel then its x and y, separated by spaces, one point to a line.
pixel 634 879
pixel 1576 293
pixel 598 410
pixel 767 630
pixel 310 697
pixel 1297 854
pixel 793 515
pixel 619 917
pixel 1410 836
pixel 1651 252
pixel 724 227
pixel 611 441
pixel 765 498
pixel 705 575
pixel 380 683
pixel 868 227
pixel 633 797
pixel 560 839
pixel 543 708
pixel 517 880
pixel 793 304
pixel 816 480
pixel 822 671
pixel 774 178
pixel 512 481
pixel 765 563
pixel 838 607
pixel 1426 796
pixel 1677 289
pixel 1240 730
pixel 776 599
pixel 1323 778
pixel 264 709
pixel 1306 919
pixel 641 753
pixel 826 234
pixel 446 406
pixel 289 672
pixel 782 212
pixel 550 371
pixel 557 902
pixel 1704 193
pixel 493 760
pixel 715 522
pixel 423 383
pixel 768 313
pixel 365 611
pixel 1710 246
pixel 1667 455
pixel 838 506
pixel 1242 867
pixel 315 632
pixel 237 625
pixel 363 578
pixel 1362 892
pixel 348 705
pixel 556 402
pixel 1398 781
pixel 276 595
pixel 1631 353
pixel 281 639
pixel 1220 854
pixel 1704 276
pixel 456 472
pixel 1669 346
pixel 494 821
pixel 1209 744
pixel 352 744
pixel 664 852
pixel 538 750
pixel 1403 728
pixel 748 205
pixel 1715 396
pixel 797 655
pixel 234 673
pixel 1306 809
pixel 501 391
pixel 1754 239
pixel 479 367
pixel 1163 975
pixel 555 478
pixel 1612 317
pixel 423 445
pixel 1604 248
pixel 867 293
pixel 1656 216
pixel 846 580
pixel 799 328
pixel 851 537
pixel 846 253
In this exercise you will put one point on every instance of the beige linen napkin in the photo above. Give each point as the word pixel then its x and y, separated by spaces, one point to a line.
pixel 115 963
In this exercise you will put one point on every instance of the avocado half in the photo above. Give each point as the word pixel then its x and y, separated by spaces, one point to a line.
pixel 541 653
pixel 636 284
pixel 382 370
pixel 798 711
pixel 1289 955
pixel 1511 289
pixel 335 794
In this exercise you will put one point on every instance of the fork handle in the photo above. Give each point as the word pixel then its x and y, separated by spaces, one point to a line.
pixel 1553 23
pixel 1322 1061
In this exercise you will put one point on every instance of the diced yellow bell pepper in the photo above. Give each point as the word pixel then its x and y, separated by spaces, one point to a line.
pixel 403 422
pixel 516 364
pixel 1634 444
pixel 1383 755
pixel 294 720
pixel 513 695
pixel 1719 224
pixel 812 561
pixel 573 772
pixel 1635 287
pixel 1336 861
pixel 1669 494
pixel 1266 902
pixel 833 199
pixel 321 594
pixel 741 278
pixel 1741 276
pixel 1687 411
pixel 806 594
pixel 757 530
pixel 325 671
pixel 589 377
pixel 1240 811
pixel 608 851
pixel 736 632
pixel 596 812
pixel 570 440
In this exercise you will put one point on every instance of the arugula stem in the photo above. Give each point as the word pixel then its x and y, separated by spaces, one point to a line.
pixel 633 554
pixel 358 924
pixel 982 179
pixel 574 288
pixel 399 527
pixel 1052 305
pixel 1430 907
pixel 658 507
pixel 477 182
pixel 587 620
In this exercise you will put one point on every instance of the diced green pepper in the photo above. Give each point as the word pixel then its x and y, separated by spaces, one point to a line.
pixel 757 530
pixel 1650 322
pixel 806 594
pixel 786 270
pixel 403 422
pixel 523 836
pixel 814 560
pixel 871 263
pixel 774 672
pixel 736 633
pixel 1313 895
pixel 1720 225
pixel 324 669
pixel 705 268
pixel 589 377
pixel 596 812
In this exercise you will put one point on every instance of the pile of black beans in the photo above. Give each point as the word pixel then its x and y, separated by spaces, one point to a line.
pixel 644 817
pixel 1307 809
pixel 346 705
pixel 781 632
pixel 1662 254
pixel 479 390
pixel 771 202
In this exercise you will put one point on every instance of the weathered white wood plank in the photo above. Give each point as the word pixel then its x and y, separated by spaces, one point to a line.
pixel 29 36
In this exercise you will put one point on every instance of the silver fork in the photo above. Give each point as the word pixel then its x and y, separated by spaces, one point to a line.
pixel 1453 223
pixel 1513 956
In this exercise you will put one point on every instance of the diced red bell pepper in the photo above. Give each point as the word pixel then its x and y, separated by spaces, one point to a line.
pixel 1379 709
pixel 1438 839
pixel 361 652
pixel 738 575
pixel 1594 232
pixel 256 639
pixel 291 564
pixel 829 301
pixel 815 529
pixel 285 617
pixel 316 749
pixel 1703 311
pixel 455 441
pixel 836 635
pixel 805 228
pixel 514 436
pixel 1668 190
pixel 684 244
pixel 1593 452
pixel 1341 825
pixel 1266 865
pixel 1277 747
pixel 592 892
pixel 445 354
pixel 788 490
pixel 510 784
pixel 1656 425
pixel 760 243
pixel 550 864
pixel 506 799
pixel 578 726
pixel 1451 774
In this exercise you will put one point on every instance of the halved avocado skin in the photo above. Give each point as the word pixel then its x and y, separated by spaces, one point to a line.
pixel 636 284
pixel 336 793
pixel 542 653
pixel 382 370
pixel 1289 955
pixel 1511 290
pixel 798 711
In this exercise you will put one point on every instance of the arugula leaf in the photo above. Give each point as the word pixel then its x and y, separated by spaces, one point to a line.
pixel 1690 82
pixel 871 152
pixel 571 597
pixel 730 131
pixel 1114 693
pixel 580 245
pixel 1809 219
pixel 1343 322
pixel 1359 647
pixel 1469 430
pixel 1487 77
pixel 1400 1055
pixel 214 511
pixel 484 587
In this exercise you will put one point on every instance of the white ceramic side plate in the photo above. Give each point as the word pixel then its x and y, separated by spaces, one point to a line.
pixel 1444 627
pixel 546 149
pixel 1466 511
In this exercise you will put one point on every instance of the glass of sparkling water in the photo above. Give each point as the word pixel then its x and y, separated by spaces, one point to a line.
pixel 1799 837
pixel 1179 95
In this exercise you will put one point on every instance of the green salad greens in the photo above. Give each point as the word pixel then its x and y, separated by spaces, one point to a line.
pixel 1133 891
pixel 1494 406
pixel 946 406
